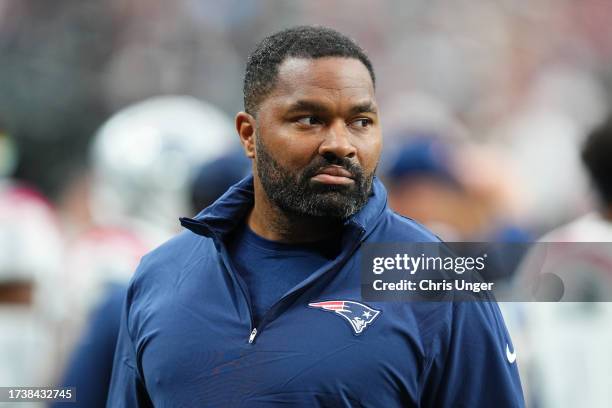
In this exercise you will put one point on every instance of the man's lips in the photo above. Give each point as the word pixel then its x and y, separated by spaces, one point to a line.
pixel 334 175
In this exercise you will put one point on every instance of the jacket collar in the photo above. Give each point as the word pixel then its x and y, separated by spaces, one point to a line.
pixel 225 214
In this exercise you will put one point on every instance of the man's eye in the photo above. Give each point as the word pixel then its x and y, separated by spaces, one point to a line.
pixel 362 122
pixel 309 121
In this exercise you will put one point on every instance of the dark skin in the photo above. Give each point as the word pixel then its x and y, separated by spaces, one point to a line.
pixel 318 106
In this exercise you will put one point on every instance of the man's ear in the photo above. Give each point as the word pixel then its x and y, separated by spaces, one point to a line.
pixel 245 125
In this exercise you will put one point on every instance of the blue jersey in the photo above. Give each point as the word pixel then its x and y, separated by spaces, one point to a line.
pixel 187 337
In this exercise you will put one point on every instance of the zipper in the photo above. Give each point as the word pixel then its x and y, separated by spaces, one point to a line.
pixel 244 290
pixel 252 336
pixel 207 231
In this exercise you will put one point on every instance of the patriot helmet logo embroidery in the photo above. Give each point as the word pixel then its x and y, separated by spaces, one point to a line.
pixel 357 314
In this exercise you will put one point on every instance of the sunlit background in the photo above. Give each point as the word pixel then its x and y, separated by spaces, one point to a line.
pixel 116 118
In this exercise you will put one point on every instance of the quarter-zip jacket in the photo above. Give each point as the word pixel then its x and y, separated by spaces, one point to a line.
pixel 187 338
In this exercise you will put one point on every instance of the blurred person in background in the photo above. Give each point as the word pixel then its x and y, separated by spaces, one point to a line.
pixel 568 363
pixel 143 160
pixel 421 185
pixel 596 226
pixel 30 261
pixel 147 160
pixel 214 178
pixel 461 192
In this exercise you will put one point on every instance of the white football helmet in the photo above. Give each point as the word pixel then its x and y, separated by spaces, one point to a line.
pixel 145 156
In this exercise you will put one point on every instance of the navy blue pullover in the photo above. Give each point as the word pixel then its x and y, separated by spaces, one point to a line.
pixel 187 337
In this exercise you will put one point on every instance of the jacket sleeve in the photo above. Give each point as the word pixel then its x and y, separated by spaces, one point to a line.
pixel 127 388
pixel 475 362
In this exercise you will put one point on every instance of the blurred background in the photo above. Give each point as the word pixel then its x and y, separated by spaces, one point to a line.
pixel 116 118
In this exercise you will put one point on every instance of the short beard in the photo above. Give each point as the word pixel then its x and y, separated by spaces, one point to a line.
pixel 296 194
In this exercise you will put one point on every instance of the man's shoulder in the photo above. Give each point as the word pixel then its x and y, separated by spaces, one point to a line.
pixel 479 318
pixel 445 325
pixel 170 258
pixel 394 227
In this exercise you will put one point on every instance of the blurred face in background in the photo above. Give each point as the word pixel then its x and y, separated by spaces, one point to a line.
pixel 318 137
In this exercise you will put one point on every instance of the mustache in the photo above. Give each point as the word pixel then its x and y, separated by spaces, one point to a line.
pixel 321 162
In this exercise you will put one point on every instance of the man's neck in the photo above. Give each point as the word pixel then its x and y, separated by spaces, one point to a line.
pixel 272 223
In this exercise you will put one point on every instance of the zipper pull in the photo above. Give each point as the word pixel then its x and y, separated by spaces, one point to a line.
pixel 252 336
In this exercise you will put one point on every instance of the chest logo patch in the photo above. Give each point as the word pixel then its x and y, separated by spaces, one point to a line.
pixel 357 314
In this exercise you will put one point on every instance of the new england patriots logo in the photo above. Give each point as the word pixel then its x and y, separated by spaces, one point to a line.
pixel 357 314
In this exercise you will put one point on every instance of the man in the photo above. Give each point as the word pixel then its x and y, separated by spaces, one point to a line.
pixel 259 305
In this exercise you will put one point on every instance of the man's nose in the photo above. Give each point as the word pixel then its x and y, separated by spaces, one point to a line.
pixel 338 141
